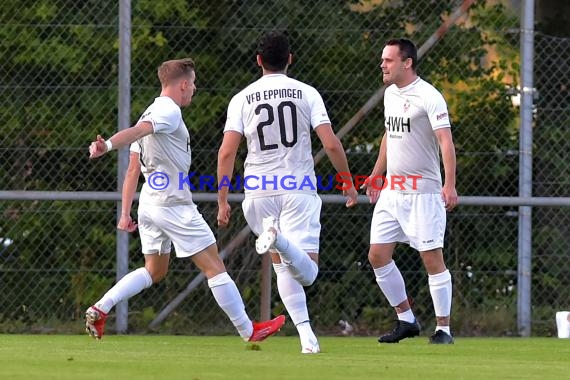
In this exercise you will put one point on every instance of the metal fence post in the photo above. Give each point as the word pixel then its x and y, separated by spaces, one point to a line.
pixel 525 170
pixel 123 154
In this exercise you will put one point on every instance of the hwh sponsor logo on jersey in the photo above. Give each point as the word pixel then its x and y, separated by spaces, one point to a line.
pixel 398 124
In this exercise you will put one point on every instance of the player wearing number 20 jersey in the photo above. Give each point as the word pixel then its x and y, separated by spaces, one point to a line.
pixel 276 114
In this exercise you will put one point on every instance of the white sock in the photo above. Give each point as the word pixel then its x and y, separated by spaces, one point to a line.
pixel 229 299
pixel 440 290
pixel 303 268
pixel 445 329
pixel 407 316
pixel 306 335
pixel 292 294
pixel 391 283
pixel 131 284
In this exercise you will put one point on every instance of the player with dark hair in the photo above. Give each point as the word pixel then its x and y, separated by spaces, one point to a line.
pixel 276 114
pixel 417 127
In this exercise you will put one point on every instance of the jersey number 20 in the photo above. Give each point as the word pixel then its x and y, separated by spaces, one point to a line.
pixel 292 109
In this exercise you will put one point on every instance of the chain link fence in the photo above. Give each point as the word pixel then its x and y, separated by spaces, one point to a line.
pixel 59 88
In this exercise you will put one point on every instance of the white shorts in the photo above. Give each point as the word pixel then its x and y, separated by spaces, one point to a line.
pixel 413 218
pixel 298 217
pixel 181 225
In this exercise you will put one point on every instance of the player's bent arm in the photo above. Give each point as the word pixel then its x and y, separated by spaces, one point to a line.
pixel 130 183
pixel 445 141
pixel 130 135
pixel 334 149
pixel 226 160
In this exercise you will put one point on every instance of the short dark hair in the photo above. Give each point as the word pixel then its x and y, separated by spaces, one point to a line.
pixel 407 49
pixel 273 47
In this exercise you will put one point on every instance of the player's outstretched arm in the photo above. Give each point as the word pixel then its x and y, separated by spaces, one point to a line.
pixel 120 139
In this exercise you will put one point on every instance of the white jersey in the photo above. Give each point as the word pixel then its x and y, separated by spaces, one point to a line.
pixel 411 115
pixel 276 114
pixel 165 155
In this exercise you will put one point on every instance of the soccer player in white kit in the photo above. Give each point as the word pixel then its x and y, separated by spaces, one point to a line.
pixel 411 206
pixel 167 215
pixel 276 114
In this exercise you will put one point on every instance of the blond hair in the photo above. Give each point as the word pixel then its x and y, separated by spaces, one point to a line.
pixel 175 69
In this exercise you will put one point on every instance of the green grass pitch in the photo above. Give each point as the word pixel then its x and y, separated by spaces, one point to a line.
pixel 77 357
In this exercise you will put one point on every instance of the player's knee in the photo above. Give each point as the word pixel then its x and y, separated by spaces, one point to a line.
pixel 375 259
pixel 158 274
pixel 310 276
pixel 379 256
pixel 307 281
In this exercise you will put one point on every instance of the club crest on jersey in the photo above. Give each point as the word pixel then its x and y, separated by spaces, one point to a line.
pixel 406 106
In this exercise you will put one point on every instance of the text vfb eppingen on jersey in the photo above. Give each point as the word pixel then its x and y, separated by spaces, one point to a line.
pixel 340 181
pixel 274 94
